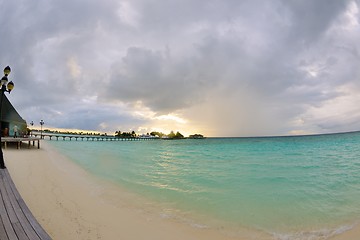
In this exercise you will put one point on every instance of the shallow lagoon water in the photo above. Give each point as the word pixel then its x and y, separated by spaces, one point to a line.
pixel 304 187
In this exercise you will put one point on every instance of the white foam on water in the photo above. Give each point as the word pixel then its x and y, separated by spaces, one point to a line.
pixel 321 234
pixel 183 219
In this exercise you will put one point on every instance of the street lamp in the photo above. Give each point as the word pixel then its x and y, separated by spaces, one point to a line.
pixel 5 87
pixel 32 124
pixel 41 123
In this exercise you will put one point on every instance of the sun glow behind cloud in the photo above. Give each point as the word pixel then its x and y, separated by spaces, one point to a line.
pixel 74 68
pixel 171 117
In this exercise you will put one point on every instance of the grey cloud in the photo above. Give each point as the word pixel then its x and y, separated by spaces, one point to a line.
pixel 260 63
pixel 155 79
pixel 310 19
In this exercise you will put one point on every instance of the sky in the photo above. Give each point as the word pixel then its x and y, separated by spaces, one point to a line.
pixel 215 67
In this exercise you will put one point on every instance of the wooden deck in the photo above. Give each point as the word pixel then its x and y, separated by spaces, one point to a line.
pixel 20 140
pixel 16 220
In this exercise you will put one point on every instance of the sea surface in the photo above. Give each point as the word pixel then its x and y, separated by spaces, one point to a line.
pixel 304 187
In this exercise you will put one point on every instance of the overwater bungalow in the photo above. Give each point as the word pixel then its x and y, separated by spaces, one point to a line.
pixel 196 136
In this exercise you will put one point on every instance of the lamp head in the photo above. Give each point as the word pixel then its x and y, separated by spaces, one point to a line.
pixel 7 70
pixel 4 80
pixel 10 86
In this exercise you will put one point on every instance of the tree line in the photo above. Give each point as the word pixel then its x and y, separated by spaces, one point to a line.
pixel 171 135
pixel 125 134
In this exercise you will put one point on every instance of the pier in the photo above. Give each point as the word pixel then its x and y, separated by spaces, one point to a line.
pixel 20 140
pixel 87 137
pixel 17 221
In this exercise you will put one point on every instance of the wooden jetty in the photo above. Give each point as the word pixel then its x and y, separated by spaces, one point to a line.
pixel 17 222
pixel 87 137
pixel 20 140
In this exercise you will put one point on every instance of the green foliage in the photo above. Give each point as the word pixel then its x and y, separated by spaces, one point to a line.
pixel 160 134
pixel 125 134
pixel 176 135
pixel 171 134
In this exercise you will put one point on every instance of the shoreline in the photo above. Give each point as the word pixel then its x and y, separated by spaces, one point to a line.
pixel 67 201
pixel 71 204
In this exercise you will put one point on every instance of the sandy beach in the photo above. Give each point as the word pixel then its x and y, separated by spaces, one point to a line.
pixel 71 204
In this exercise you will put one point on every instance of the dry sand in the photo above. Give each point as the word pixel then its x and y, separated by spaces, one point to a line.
pixel 71 204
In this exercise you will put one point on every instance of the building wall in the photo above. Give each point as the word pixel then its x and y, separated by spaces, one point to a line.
pixel 10 117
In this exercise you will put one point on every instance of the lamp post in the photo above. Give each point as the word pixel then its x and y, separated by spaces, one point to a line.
pixel 5 87
pixel 32 124
pixel 41 123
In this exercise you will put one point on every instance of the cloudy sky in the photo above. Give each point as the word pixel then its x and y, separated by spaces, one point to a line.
pixel 216 67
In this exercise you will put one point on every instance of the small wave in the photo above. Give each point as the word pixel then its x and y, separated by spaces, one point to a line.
pixel 321 234
pixel 200 226
pixel 183 220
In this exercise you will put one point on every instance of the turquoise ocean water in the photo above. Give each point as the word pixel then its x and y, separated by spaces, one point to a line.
pixel 305 187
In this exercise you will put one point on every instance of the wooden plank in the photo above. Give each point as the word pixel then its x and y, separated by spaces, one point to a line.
pixel 3 213
pixel 8 206
pixel 41 233
pixel 22 219
pixel 3 234
pixel 6 175
pixel 20 231
pixel 11 211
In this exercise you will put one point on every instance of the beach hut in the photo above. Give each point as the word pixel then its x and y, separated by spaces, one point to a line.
pixel 10 117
